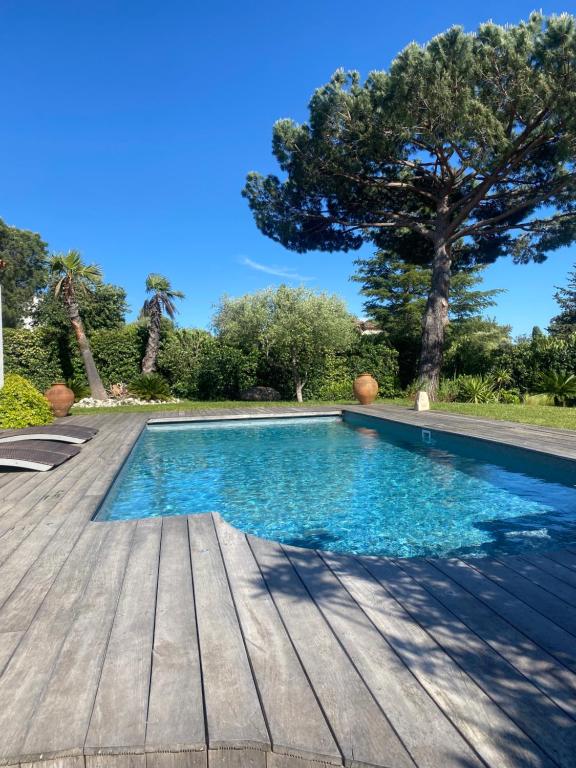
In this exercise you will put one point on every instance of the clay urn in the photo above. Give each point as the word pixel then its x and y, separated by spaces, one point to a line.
pixel 61 398
pixel 365 388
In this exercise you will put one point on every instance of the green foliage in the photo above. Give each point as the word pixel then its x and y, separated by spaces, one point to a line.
pixel 509 396
pixel 397 293
pixel 103 307
pixel 292 328
pixel 25 272
pixel 21 405
pixel 181 358
pixel 150 386
pixel 472 344
pixel 226 371
pixel 78 387
pixel 460 153
pixel 558 385
pixel 117 353
pixel 529 358
pixel 476 389
pixel 564 323
pixel 34 354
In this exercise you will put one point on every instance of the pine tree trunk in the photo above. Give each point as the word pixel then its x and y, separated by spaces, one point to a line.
pixel 97 390
pixel 435 321
pixel 152 345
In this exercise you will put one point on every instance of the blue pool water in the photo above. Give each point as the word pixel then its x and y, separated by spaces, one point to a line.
pixel 361 486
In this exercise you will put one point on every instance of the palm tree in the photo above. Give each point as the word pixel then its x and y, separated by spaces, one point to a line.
pixel 162 300
pixel 71 277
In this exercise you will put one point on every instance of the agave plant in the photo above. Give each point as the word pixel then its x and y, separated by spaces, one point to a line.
pixel 558 385
pixel 476 389
pixel 150 386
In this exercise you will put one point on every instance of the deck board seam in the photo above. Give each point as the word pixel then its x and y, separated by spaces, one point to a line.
pixel 571 605
pixel 153 629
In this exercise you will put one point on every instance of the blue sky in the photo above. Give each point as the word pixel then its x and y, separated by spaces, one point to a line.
pixel 128 126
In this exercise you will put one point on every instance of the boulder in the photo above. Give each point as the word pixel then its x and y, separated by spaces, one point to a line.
pixel 264 394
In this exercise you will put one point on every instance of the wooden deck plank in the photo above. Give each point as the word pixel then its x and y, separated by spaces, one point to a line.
pixel 233 712
pixel 548 726
pixel 30 667
pixel 541 578
pixel 545 633
pixel 176 708
pixel 564 557
pixel 118 721
pixel 555 609
pixel 297 724
pixel 553 678
pixel 8 644
pixel 552 567
pixel 427 733
pixel 497 740
pixel 69 694
pixel 340 689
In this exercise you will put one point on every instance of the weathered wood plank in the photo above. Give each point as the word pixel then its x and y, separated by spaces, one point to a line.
pixel 558 611
pixel 340 689
pixel 549 636
pixel 533 573
pixel 552 729
pixel 553 678
pixel 427 733
pixel 121 705
pixel 30 667
pixel 8 643
pixel 176 708
pixel 237 758
pixel 296 722
pixel 69 695
pixel 498 741
pixel 233 710
pixel 545 563
pixel 190 759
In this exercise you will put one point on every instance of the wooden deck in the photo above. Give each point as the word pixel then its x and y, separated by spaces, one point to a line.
pixel 179 642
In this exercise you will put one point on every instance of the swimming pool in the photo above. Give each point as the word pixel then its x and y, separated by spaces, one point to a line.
pixel 357 484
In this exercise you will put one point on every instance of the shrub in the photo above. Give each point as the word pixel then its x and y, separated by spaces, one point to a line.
pixel 536 400
pixel 150 386
pixel 181 357
pixel 33 354
pixel 509 396
pixel 22 405
pixel 558 385
pixel 448 390
pixel 475 389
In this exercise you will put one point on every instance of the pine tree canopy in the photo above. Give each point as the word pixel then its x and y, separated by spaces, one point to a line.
pixel 469 139
pixel 565 321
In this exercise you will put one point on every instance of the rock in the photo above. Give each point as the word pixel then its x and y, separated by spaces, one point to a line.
pixel 264 394
pixel 422 402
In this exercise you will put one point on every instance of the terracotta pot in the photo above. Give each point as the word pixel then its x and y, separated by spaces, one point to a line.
pixel 61 398
pixel 365 388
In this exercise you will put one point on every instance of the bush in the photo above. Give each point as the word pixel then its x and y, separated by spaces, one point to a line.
pixel 448 390
pixel 475 389
pixel 180 360
pixel 33 354
pixel 150 386
pixel 509 396
pixel 22 405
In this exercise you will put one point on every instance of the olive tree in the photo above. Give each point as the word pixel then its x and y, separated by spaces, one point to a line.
pixel 462 152
pixel 295 326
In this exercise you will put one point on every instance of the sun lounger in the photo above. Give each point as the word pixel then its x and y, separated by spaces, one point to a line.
pixel 40 455
pixel 65 433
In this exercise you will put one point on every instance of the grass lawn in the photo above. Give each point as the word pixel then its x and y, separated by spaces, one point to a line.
pixel 541 415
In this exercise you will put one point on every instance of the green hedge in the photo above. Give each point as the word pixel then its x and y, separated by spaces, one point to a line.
pixel 36 355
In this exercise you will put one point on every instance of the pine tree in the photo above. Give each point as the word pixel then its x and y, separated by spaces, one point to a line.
pixel 397 292
pixel 467 142
pixel 564 323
